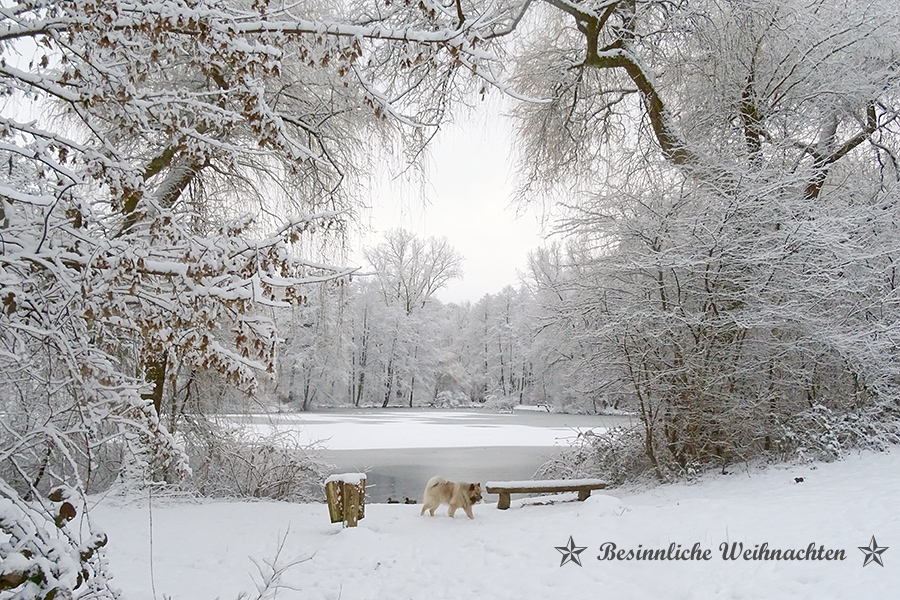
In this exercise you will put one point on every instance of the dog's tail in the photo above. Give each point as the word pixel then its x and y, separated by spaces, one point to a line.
pixel 435 481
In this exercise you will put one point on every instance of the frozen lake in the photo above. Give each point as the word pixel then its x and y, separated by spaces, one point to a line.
pixel 400 449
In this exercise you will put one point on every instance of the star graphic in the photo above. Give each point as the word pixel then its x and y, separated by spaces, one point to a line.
pixel 570 552
pixel 873 552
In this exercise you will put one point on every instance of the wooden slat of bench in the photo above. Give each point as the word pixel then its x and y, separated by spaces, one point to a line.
pixel 533 487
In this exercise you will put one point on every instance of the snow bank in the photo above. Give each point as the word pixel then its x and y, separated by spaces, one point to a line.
pixel 535 408
pixel 203 551
pixel 543 483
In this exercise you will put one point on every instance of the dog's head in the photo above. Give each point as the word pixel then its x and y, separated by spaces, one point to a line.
pixel 474 492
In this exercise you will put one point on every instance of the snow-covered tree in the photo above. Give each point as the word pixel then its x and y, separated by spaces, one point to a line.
pixel 734 216
pixel 134 139
pixel 409 271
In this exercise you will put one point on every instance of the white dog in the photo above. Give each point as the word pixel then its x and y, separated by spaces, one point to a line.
pixel 458 495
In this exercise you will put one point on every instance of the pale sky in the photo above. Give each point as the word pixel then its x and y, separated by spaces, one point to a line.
pixel 468 200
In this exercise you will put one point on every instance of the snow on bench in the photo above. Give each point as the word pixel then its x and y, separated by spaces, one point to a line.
pixel 543 486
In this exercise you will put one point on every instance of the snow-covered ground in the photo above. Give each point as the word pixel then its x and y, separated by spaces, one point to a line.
pixel 207 550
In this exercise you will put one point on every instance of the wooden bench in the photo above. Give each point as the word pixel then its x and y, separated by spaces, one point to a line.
pixel 546 486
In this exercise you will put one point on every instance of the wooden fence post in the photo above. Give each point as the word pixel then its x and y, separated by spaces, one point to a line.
pixel 346 497
pixel 333 495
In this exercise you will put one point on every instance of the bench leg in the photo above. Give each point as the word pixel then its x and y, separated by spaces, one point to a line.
pixel 583 495
pixel 503 503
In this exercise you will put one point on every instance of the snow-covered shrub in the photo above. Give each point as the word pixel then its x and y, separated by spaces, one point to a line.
pixel 448 399
pixel 823 434
pixel 499 403
pixel 55 440
pixel 47 551
pixel 619 455
pixel 616 455
pixel 245 465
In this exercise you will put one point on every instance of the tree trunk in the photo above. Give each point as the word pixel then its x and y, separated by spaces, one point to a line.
pixel 412 379
pixel 390 381
pixel 308 392
pixel 155 373
pixel 363 357
pixel 502 366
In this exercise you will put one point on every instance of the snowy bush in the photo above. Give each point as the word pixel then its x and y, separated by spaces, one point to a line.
pixel 823 434
pixel 47 550
pixel 499 403
pixel 53 447
pixel 448 399
pixel 243 465
pixel 616 455
pixel 619 455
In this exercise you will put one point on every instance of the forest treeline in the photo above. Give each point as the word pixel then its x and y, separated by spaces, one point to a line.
pixel 384 339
